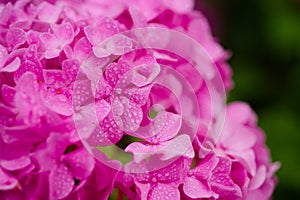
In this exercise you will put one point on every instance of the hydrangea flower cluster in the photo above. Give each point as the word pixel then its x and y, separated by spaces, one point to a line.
pixel 88 84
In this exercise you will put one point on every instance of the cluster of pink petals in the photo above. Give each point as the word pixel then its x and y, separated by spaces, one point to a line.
pixel 44 45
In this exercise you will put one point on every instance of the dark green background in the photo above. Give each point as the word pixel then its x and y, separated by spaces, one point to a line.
pixel 264 38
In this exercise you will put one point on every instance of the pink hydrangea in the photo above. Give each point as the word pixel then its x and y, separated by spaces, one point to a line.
pixel 103 99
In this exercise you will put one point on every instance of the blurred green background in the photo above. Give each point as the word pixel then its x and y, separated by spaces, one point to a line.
pixel 264 38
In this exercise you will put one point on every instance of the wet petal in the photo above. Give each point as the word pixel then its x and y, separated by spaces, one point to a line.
pixel 143 190
pixel 63 32
pixel 114 72
pixel 103 89
pixel 82 93
pixel 70 67
pixel 196 189
pixel 165 126
pixel 116 45
pixel 130 117
pixel 61 182
pixel 140 96
pixel 104 29
pixel 164 191
pixel 55 78
pixel 102 109
pixel 15 37
pixel 81 163
pixel 223 185
pixel 82 49
pixel 59 103
pixel 204 169
pixel 8 94
pixel 106 133
pixel 29 66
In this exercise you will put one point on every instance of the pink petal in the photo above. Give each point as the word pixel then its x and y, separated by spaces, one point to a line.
pixel 129 117
pixel 247 158
pixel 110 129
pixel 33 37
pixel 143 190
pixel 180 6
pixel 104 29
pixel 15 37
pixel 107 133
pixel 55 78
pixel 204 169
pixel 63 32
pixel 259 178
pixel 48 12
pixel 117 44
pixel 7 181
pixel 220 180
pixel 102 109
pixel 239 174
pixel 242 138
pixel 28 84
pixel 101 52
pixel 103 89
pixel 161 191
pixel 223 185
pixel 3 55
pixel 144 74
pixel 82 49
pixel 70 67
pixel 138 19
pixel 49 41
pixel 164 127
pixel 115 71
pixel 61 182
pixel 8 94
pixel 103 177
pixel 29 66
pixel 59 103
pixel 142 151
pixel 240 113
pixel 31 54
pixel 82 93
pixel 196 189
pixel 81 163
pixel 16 164
pixel 140 96
pixel 179 146
pixel 12 66
pixel 223 166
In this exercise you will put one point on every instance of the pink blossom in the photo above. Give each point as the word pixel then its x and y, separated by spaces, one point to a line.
pixel 62 35
pixel 148 77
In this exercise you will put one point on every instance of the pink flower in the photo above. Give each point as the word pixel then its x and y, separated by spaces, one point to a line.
pixel 104 29
pixel 62 35
pixel 63 166
pixel 146 76
pixel 244 141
